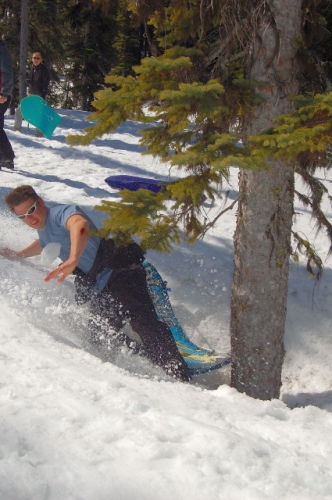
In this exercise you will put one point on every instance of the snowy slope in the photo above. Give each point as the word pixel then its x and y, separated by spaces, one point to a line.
pixel 77 427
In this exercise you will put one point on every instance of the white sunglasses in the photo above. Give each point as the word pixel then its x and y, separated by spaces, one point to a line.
pixel 29 212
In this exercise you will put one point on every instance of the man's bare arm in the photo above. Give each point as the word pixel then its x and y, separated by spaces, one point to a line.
pixel 78 228
pixel 32 250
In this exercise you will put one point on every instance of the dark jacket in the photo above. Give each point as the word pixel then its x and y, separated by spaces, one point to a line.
pixel 6 71
pixel 39 80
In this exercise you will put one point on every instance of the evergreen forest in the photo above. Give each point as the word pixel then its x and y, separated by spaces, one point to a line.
pixel 80 41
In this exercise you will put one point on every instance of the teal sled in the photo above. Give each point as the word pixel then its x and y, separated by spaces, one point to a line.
pixel 198 359
pixel 37 112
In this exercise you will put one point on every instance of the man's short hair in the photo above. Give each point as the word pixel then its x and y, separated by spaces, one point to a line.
pixel 19 195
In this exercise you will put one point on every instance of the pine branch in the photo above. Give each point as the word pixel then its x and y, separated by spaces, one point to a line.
pixel 317 189
pixel 304 247
pixel 211 224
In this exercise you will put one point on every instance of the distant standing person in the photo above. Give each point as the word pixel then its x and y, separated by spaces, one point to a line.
pixel 38 80
pixel 6 86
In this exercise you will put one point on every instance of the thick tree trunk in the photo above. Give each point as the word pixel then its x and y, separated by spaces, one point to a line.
pixel 23 48
pixel 85 83
pixel 263 232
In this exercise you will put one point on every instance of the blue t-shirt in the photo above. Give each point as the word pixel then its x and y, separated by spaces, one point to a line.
pixel 55 230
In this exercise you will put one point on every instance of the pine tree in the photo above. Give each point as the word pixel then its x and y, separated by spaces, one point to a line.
pixel 89 52
pixel 226 71
pixel 126 43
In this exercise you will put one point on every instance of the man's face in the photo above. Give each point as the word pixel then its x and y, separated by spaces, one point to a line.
pixel 35 212
pixel 36 58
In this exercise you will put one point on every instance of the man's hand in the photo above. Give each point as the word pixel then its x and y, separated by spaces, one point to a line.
pixel 8 253
pixel 30 251
pixel 62 271
pixel 3 99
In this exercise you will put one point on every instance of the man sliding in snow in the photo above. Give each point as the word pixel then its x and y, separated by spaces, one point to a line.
pixel 112 278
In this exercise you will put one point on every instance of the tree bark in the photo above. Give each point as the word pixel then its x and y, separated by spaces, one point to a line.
pixel 263 233
pixel 23 48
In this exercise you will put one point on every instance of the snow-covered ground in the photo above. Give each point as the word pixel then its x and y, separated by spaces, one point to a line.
pixel 76 427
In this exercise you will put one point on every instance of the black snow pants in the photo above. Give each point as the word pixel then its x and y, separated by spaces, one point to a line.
pixel 126 297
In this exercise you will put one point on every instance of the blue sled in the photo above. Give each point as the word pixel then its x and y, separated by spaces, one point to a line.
pixel 198 359
pixel 37 112
pixel 134 183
